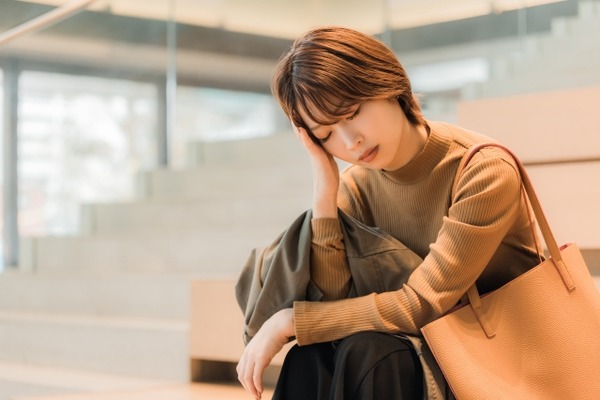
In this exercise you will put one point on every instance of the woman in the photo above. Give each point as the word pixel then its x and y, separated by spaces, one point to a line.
pixel 348 97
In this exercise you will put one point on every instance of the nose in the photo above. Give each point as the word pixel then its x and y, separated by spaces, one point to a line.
pixel 352 139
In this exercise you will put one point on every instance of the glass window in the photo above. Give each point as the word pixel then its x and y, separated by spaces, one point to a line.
pixel 205 114
pixel 1 166
pixel 81 139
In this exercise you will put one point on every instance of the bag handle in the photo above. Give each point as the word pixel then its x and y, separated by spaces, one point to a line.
pixel 555 256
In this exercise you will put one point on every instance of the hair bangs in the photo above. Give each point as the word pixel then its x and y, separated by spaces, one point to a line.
pixel 322 107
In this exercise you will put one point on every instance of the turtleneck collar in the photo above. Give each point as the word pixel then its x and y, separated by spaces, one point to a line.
pixel 422 165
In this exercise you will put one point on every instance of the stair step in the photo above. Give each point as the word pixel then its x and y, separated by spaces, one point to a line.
pixel 118 294
pixel 271 151
pixel 143 347
pixel 18 380
pixel 545 58
pixel 220 251
pixel 222 182
pixel 191 391
pixel 186 216
pixel 536 80
pixel 576 28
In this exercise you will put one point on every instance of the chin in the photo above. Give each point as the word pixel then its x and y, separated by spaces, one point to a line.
pixel 374 166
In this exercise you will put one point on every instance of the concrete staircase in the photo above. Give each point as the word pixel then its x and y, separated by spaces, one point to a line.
pixel 567 57
pixel 109 309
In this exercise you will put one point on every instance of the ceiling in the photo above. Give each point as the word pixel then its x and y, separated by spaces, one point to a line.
pixel 288 18
pixel 236 43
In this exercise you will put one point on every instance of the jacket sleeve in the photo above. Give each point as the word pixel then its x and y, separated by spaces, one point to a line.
pixel 275 276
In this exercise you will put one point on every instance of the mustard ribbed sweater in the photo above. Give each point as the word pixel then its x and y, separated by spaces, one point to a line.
pixel 482 234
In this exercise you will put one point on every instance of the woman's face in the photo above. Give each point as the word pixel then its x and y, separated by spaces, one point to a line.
pixel 370 134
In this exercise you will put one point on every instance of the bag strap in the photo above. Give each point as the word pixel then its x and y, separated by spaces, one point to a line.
pixel 555 256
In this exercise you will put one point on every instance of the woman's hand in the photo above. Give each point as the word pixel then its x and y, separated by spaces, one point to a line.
pixel 269 340
pixel 326 177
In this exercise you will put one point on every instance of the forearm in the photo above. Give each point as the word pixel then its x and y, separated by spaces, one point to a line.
pixel 389 312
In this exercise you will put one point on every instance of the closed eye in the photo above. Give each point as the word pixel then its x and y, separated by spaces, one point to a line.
pixel 350 118
pixel 326 138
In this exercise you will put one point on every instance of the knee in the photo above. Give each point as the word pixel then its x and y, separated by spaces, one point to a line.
pixel 369 341
pixel 368 359
pixel 308 355
pixel 370 348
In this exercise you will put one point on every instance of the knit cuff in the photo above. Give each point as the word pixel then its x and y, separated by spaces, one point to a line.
pixel 326 230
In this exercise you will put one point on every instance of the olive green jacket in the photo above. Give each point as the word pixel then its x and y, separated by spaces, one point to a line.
pixel 279 274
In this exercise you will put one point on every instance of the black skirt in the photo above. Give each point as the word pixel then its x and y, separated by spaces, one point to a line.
pixel 364 366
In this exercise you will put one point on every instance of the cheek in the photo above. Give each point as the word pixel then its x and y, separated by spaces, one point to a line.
pixel 330 148
pixel 336 149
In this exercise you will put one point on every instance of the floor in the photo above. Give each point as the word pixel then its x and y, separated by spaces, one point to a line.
pixel 192 391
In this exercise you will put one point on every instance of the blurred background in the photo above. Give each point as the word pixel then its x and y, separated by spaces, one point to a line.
pixel 142 149
pixel 124 86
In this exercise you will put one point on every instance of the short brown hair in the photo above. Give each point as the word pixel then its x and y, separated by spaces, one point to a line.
pixel 330 69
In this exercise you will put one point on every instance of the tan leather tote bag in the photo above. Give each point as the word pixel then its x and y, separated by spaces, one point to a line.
pixel 537 337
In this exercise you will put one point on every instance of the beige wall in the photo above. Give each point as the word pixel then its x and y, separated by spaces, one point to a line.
pixel 557 135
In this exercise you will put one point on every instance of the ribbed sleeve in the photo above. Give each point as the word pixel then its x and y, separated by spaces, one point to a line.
pixel 329 269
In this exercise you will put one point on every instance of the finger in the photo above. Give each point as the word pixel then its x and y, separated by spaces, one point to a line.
pixel 249 381
pixel 244 370
pixel 241 370
pixel 309 143
pixel 303 135
pixel 257 379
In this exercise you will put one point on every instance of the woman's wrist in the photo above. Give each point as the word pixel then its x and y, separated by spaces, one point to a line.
pixel 285 320
pixel 324 208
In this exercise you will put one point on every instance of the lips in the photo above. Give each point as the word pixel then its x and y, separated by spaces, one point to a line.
pixel 369 155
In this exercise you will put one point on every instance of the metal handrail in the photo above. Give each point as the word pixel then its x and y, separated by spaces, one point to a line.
pixel 44 20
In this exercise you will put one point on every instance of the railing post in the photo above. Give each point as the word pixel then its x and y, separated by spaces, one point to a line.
pixel 11 191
